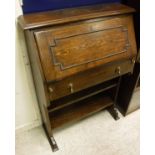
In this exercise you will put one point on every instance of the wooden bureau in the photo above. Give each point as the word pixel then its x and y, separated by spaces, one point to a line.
pixel 77 57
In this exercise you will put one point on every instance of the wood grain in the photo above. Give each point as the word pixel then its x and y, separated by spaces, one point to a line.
pixel 68 50
pixel 43 19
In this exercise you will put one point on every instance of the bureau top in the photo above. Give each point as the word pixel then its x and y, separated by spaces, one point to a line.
pixel 37 20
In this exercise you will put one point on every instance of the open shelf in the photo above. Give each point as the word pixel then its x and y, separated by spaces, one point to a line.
pixel 84 94
pixel 79 110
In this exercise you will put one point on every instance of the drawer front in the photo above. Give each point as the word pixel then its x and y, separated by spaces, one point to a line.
pixel 70 49
pixel 88 78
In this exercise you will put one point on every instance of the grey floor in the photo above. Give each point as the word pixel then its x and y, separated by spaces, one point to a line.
pixel 98 134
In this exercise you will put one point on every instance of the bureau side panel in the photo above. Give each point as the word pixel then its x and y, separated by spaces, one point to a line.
pixel 38 78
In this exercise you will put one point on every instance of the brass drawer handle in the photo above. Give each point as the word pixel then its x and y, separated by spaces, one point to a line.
pixel 118 70
pixel 133 61
pixel 50 89
pixel 71 87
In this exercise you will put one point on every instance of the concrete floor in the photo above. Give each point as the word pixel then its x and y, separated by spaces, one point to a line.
pixel 98 134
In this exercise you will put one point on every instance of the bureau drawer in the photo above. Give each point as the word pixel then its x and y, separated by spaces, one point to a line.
pixel 69 49
pixel 88 78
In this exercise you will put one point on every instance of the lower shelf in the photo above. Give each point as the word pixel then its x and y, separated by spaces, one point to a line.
pixel 79 110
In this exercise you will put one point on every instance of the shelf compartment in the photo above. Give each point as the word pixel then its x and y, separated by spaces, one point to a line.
pixel 79 110
pixel 84 94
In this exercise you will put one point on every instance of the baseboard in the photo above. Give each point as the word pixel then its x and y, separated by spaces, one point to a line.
pixel 28 126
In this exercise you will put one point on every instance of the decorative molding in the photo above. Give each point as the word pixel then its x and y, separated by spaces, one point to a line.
pixel 62 67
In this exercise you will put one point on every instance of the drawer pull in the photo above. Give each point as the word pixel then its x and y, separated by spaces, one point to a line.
pixel 50 89
pixel 118 70
pixel 133 60
pixel 71 87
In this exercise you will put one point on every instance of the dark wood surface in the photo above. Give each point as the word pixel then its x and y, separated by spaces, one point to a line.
pixel 42 19
pixel 68 50
pixel 88 78
pixel 131 83
pixel 38 78
pixel 83 94
pixel 72 53
pixel 136 5
pixel 79 110
pixel 127 88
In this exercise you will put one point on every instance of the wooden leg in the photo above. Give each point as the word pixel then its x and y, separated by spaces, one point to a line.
pixel 51 141
pixel 113 110
pixel 114 113
pixel 53 144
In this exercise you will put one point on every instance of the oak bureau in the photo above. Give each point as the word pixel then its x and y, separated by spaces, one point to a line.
pixel 77 57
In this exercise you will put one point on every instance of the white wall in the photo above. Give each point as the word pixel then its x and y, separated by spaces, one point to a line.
pixel 27 112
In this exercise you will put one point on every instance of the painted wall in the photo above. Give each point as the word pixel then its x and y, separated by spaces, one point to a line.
pixel 27 112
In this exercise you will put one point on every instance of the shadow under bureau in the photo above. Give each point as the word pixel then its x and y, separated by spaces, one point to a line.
pixel 77 58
